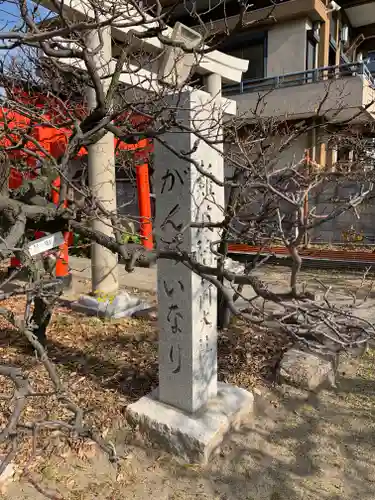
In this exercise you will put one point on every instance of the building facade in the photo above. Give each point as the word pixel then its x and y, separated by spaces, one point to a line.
pixel 308 60
pixel 296 50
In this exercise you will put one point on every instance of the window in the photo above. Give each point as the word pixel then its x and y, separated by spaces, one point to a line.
pixel 370 61
pixel 250 46
pixel 310 54
pixel 332 56
pixel 255 55
pixel 345 154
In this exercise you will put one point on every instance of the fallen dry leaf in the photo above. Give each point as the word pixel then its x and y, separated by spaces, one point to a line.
pixel 105 365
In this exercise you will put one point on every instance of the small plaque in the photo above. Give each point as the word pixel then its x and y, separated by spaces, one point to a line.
pixel 46 243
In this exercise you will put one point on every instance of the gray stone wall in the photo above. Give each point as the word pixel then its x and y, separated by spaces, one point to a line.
pixel 330 198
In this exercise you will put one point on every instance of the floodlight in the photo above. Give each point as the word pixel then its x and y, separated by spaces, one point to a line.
pixel 176 63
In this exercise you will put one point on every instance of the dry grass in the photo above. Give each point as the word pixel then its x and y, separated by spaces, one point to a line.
pixel 105 365
pixel 299 446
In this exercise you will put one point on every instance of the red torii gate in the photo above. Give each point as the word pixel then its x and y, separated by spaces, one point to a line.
pixel 58 141
pixel 54 140
pixel 14 125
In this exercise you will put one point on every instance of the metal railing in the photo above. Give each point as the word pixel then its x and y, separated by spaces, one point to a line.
pixel 301 78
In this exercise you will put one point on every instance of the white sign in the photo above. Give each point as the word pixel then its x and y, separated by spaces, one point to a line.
pixel 46 243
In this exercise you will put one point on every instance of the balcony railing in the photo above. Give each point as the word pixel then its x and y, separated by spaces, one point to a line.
pixel 301 78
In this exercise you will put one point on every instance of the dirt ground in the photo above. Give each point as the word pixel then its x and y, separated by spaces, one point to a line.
pixel 297 445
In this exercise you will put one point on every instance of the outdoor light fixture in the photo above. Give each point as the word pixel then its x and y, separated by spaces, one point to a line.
pixel 176 64
pixel 333 7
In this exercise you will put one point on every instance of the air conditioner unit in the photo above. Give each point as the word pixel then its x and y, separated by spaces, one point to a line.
pixel 344 37
pixel 176 63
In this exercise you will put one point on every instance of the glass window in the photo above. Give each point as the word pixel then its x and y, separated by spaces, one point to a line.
pixel 345 154
pixel 250 46
pixel 310 54
pixel 331 57
pixel 255 54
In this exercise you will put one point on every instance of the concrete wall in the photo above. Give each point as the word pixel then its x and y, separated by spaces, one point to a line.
pixel 126 192
pixel 293 154
pixel 326 199
pixel 282 11
pixel 290 156
pixel 329 198
pixel 348 95
pixel 127 200
pixel 272 160
pixel 287 47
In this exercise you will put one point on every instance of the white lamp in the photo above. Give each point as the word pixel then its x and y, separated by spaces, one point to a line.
pixel 176 63
pixel 333 7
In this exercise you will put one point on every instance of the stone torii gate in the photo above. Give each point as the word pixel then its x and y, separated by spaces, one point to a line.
pixel 190 412
pixel 102 180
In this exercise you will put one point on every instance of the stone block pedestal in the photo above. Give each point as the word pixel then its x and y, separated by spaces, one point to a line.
pixel 193 437
pixel 121 306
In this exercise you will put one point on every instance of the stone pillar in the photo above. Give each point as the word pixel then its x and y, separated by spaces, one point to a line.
pixel 190 412
pixel 101 170
pixel 187 303
pixel 213 85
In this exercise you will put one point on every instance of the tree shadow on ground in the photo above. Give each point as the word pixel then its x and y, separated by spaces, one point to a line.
pixel 298 445
pixel 284 453
pixel 132 377
pixel 126 362
pixel 307 447
pixel 132 374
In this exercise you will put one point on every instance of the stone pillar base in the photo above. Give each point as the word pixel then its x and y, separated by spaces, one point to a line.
pixel 193 437
pixel 123 305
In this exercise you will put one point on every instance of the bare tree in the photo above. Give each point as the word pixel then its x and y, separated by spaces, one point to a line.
pixel 267 188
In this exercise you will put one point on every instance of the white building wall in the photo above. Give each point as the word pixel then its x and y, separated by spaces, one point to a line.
pixel 287 47
pixel 274 159
pixel 291 155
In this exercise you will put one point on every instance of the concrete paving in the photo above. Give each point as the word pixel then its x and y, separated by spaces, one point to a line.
pixel 142 279
pixel 345 287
